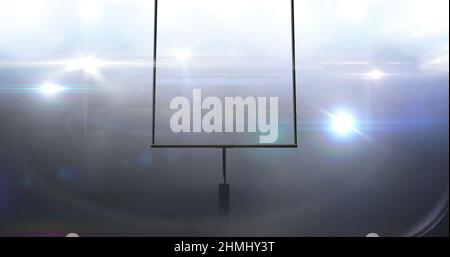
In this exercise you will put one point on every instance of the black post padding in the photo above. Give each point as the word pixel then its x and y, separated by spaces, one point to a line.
pixel 224 200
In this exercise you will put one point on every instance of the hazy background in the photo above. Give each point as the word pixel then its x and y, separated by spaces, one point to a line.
pixel 75 122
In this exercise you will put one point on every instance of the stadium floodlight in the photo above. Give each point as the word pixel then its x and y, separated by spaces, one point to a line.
pixel 90 10
pixel 376 74
pixel 343 123
pixel 22 12
pixel 51 89
pixel 354 11
pixel 89 65
pixel 182 55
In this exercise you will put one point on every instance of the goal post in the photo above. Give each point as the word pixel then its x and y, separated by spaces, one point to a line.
pixel 217 85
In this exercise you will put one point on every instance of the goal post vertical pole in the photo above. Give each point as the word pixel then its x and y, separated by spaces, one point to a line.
pixel 224 188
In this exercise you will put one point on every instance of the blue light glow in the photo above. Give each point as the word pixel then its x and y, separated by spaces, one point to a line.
pixel 343 124
pixel 51 89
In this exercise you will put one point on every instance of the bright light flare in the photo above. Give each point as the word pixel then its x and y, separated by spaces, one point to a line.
pixel 51 89
pixel 90 10
pixel 426 18
pixel 21 12
pixel 343 123
pixel 183 55
pixel 89 65
pixel 376 74
pixel 354 11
